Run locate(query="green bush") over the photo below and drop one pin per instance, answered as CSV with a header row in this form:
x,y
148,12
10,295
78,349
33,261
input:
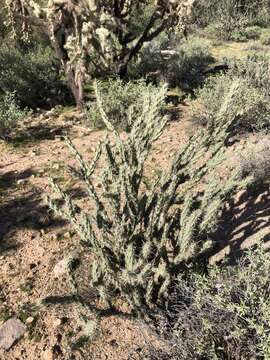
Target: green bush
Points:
x,y
255,70
141,239
118,96
247,33
186,67
10,114
33,74
229,18
180,65
250,107
224,314
260,15
225,19
252,32
265,37
150,58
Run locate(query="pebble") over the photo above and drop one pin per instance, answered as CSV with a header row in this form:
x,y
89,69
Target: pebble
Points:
x,y
67,235
10,332
54,237
48,355
57,322
56,166
61,267
29,320
21,181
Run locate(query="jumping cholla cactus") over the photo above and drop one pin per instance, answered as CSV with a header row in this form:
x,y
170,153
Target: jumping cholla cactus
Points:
x,y
99,34
141,239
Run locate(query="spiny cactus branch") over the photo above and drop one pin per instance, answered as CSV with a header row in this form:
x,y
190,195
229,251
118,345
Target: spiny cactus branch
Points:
x,y
141,239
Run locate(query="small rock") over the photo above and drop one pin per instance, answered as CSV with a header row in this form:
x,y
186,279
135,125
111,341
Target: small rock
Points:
x,y
11,331
29,320
57,322
56,166
61,268
51,112
47,355
67,235
54,237
33,153
21,181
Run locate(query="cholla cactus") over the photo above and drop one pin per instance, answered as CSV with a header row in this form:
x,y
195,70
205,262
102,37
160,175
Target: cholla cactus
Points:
x,y
140,239
98,34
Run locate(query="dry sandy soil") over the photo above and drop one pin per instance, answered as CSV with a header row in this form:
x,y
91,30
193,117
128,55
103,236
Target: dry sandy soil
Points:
x,y
33,242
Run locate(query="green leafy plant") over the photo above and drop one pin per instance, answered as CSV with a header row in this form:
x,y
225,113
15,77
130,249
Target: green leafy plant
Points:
x,y
227,19
247,33
141,239
250,107
232,19
34,75
265,37
186,68
178,62
10,114
118,97
254,69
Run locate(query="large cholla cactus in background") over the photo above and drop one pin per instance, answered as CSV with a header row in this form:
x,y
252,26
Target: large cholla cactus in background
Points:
x,y
99,34
141,239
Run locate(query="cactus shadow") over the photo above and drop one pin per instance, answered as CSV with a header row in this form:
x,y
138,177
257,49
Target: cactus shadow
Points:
x,y
245,222
36,133
21,207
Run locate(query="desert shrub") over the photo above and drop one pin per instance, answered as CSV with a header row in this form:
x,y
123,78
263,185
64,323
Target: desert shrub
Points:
x,y
224,314
10,114
255,70
230,17
226,19
259,14
181,64
246,33
3,19
212,11
34,75
118,96
252,32
150,59
250,107
141,239
265,37
186,67
255,161
254,46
